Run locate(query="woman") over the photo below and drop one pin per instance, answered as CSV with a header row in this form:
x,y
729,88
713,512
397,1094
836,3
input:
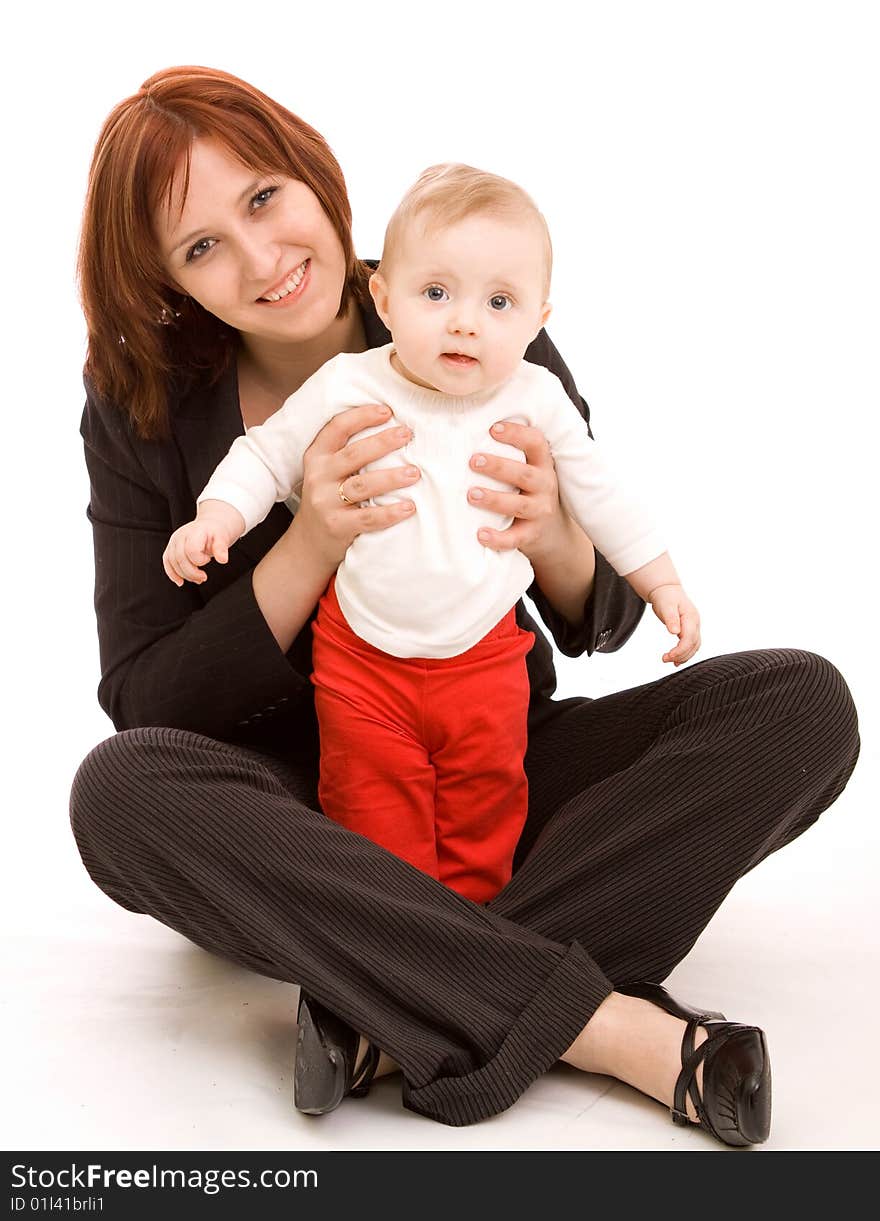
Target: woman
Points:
x,y
217,274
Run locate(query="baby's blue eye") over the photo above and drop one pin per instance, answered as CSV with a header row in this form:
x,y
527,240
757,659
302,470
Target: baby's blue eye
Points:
x,y
435,293
500,302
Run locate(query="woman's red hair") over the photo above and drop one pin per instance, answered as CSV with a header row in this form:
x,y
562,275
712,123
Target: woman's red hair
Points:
x,y
144,336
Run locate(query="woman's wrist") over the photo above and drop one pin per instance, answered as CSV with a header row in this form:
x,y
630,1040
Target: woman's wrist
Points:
x,y
289,581
565,568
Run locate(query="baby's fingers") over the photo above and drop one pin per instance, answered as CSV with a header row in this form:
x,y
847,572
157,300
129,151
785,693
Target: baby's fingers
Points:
x,y
186,553
190,548
688,638
170,571
189,564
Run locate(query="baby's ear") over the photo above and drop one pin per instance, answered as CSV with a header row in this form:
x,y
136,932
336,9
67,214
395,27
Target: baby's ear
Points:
x,y
379,293
546,311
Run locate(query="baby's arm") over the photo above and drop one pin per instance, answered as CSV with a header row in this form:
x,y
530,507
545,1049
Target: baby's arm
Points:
x,y
266,464
261,467
616,524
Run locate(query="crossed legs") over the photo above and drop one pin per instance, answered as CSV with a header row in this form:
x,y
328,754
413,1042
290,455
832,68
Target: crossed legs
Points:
x,y
646,807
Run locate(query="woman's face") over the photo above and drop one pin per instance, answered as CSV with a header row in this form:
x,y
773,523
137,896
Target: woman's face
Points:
x,y
255,249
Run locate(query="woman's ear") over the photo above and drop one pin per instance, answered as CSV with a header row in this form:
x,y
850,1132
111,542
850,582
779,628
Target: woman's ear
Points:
x,y
379,293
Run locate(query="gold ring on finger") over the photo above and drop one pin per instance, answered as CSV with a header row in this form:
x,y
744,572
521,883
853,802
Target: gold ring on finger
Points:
x,y
343,497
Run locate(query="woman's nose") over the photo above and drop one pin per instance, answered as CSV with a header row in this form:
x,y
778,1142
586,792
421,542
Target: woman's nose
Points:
x,y
260,259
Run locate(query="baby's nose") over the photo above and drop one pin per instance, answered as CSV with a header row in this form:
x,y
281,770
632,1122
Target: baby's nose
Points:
x,y
464,321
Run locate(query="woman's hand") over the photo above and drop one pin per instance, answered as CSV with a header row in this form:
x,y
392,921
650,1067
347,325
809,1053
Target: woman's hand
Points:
x,y
540,523
293,574
333,460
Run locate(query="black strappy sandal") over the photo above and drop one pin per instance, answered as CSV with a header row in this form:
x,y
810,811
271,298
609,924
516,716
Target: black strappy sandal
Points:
x,y
735,1106
325,1071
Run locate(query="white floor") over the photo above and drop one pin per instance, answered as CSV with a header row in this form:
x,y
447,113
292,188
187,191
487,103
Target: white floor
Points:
x,y
123,1036
715,298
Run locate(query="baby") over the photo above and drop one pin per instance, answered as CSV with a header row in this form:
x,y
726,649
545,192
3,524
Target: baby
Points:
x,y
419,668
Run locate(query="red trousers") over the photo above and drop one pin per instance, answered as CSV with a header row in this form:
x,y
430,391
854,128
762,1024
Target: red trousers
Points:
x,y
425,755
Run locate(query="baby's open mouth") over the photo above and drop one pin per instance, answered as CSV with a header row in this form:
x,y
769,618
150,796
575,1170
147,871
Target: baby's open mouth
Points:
x,y
459,358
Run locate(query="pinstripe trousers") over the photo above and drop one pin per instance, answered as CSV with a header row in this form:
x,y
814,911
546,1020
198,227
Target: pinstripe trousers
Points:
x,y
645,807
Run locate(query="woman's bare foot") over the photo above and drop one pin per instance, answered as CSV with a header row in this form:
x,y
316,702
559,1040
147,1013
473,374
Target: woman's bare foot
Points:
x,y
385,1066
636,1042
627,1038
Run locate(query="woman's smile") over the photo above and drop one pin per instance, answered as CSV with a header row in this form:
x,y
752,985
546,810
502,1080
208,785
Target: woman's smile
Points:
x,y
290,288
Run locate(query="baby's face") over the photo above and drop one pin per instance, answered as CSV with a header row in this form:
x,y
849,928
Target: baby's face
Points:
x,y
464,302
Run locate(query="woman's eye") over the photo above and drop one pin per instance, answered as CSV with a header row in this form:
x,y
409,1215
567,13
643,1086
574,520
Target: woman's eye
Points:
x,y
500,302
200,248
262,197
435,293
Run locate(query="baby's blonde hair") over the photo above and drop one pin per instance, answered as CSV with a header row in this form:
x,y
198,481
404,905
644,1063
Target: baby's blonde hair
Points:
x,y
450,192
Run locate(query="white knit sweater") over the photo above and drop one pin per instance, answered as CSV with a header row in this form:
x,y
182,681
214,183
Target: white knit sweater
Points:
x,y
426,586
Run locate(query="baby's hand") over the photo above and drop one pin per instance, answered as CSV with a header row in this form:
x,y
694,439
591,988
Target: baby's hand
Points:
x,y
674,608
210,536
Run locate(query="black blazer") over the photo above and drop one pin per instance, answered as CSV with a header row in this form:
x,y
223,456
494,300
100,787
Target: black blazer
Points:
x,y
202,657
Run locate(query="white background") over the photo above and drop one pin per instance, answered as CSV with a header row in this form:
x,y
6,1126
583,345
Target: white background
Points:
x,y
709,172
